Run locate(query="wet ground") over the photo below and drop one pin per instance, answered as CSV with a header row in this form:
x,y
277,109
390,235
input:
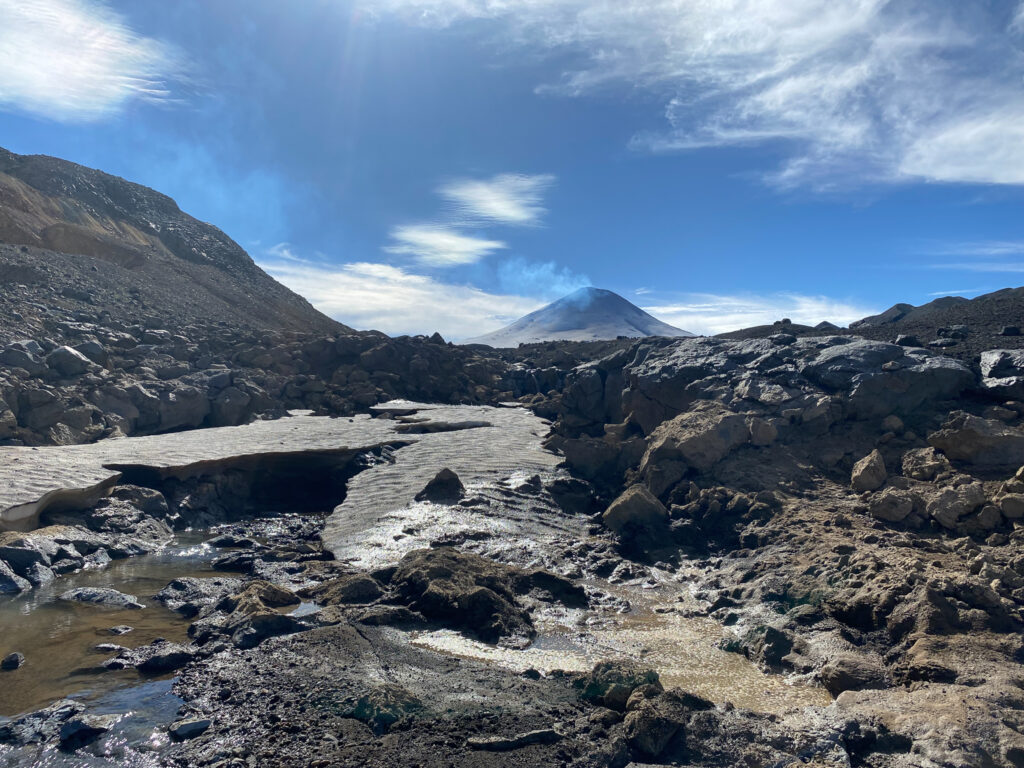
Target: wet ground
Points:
x,y
507,514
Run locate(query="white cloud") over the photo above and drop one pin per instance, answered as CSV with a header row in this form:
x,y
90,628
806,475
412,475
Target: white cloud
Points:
x,y
982,266
706,313
390,299
857,89
77,61
995,248
508,198
438,245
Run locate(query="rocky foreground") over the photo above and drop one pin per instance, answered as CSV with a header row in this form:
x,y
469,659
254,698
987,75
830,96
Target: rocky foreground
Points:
x,y
847,511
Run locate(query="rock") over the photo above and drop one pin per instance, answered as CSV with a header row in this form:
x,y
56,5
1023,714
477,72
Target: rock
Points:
x,y
891,505
1008,330
506,743
636,512
189,729
12,661
906,340
465,592
696,439
869,474
120,629
611,683
445,488
1002,372
881,378
102,597
10,582
952,504
189,595
649,731
160,658
924,464
852,672
762,432
383,706
68,362
41,726
1012,506
977,441
84,729
354,588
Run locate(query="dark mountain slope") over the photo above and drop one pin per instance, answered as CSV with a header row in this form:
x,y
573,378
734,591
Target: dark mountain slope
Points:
x,y
80,236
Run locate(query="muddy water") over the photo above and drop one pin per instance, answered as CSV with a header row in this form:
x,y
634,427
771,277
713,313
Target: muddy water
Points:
x,y
58,639
683,650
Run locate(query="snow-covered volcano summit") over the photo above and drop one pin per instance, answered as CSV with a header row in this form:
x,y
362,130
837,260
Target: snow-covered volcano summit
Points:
x,y
588,314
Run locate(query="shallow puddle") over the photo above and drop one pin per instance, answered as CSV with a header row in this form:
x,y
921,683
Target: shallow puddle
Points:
x,y
58,639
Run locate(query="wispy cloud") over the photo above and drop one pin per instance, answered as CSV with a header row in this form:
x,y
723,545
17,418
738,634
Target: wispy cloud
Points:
x,y
439,245
706,313
390,299
982,266
544,279
77,61
508,198
862,90
960,292
979,248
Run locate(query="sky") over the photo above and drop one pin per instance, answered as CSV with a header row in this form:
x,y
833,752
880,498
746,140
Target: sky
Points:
x,y
449,165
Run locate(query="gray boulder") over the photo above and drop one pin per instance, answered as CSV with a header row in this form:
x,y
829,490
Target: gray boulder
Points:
x,y
67,362
881,378
102,597
1002,373
978,441
697,439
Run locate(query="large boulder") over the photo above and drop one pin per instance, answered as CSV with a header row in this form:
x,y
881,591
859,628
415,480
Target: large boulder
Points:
x,y
981,442
881,378
464,591
950,505
694,440
183,407
68,362
1002,373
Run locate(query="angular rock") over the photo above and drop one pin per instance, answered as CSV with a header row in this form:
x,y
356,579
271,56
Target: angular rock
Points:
x,y
189,729
891,505
84,729
924,464
636,512
977,441
696,439
952,504
869,474
445,488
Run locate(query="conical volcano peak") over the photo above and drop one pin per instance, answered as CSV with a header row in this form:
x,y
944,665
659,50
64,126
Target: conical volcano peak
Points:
x,y
587,314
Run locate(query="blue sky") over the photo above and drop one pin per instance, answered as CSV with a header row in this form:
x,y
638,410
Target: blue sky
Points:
x,y
412,165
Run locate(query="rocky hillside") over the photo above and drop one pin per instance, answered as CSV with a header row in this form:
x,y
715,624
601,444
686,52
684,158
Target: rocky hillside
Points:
x,y
79,241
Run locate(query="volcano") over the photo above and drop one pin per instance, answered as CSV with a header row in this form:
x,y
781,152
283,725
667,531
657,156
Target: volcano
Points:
x,y
589,314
